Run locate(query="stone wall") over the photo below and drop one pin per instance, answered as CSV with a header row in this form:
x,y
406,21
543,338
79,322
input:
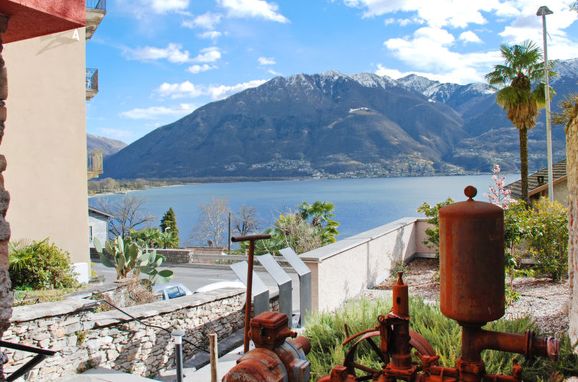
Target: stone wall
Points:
x,y
176,256
84,339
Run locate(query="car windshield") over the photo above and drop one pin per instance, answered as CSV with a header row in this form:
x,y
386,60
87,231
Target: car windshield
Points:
x,y
174,292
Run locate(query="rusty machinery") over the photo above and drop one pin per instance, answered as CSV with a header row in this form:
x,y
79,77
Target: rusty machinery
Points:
x,y
279,355
471,292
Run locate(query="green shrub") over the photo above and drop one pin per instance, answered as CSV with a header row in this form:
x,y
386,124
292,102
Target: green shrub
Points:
x,y
548,238
327,331
152,238
433,232
40,265
169,225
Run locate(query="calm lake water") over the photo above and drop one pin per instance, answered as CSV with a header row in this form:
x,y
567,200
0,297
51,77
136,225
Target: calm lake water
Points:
x,y
360,204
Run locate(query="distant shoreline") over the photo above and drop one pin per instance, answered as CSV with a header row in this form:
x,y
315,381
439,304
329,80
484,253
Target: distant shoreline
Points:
x,y
130,185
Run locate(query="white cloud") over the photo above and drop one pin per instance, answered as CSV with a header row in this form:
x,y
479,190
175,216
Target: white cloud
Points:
x,y
266,61
211,35
207,20
273,72
155,112
253,9
210,54
391,73
429,51
469,36
164,6
215,92
180,90
403,22
171,53
437,13
222,91
195,69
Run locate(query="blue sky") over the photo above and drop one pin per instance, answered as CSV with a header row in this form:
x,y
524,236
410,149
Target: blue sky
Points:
x,y
159,60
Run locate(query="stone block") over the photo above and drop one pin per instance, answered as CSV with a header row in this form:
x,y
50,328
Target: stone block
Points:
x,y
3,83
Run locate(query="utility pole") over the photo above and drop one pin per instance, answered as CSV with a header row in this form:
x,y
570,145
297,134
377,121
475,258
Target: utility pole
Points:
x,y
229,236
543,11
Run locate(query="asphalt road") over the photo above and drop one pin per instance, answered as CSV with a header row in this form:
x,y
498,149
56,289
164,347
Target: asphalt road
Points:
x,y
194,278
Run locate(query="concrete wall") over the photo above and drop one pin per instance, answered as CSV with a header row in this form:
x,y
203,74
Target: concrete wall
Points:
x,y
45,143
342,270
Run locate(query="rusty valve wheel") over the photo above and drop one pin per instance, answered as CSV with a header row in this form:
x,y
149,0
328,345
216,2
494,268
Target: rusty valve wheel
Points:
x,y
421,346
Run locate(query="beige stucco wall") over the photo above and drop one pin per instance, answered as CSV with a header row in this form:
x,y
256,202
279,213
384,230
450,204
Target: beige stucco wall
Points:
x,y
45,142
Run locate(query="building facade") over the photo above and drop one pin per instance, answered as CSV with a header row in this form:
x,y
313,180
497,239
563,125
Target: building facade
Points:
x,y
46,142
97,226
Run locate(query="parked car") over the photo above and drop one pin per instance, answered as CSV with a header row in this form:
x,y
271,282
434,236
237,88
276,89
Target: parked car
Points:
x,y
221,285
172,290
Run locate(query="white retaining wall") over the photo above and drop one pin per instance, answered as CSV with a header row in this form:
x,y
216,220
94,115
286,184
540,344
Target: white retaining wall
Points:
x,y
342,270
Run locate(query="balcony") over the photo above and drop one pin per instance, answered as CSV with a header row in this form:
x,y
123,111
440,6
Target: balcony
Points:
x,y
91,83
95,11
94,164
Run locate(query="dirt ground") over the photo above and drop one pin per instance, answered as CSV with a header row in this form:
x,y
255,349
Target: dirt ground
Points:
x,y
545,301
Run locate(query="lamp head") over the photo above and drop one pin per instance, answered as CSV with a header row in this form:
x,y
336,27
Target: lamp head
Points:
x,y
543,11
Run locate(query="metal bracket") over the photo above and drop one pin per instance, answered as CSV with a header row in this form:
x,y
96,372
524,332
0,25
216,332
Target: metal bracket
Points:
x,y
284,283
260,291
304,282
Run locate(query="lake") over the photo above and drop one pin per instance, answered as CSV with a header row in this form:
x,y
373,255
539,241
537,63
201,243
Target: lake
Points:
x,y
360,204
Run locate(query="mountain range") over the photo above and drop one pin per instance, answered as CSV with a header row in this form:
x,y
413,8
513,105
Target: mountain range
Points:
x,y
338,125
106,145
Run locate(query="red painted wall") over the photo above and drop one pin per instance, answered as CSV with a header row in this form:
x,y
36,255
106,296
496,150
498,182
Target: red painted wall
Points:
x,y
33,18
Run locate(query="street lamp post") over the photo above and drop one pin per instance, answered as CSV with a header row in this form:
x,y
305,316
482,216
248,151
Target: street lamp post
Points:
x,y
543,11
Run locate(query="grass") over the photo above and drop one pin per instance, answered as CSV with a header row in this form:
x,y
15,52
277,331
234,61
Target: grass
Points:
x,y
326,332
29,297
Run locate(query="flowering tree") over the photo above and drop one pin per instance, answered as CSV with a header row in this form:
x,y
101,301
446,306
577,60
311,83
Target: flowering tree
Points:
x,y
499,194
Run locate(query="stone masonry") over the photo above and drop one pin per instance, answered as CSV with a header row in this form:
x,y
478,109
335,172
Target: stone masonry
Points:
x,y
84,339
5,294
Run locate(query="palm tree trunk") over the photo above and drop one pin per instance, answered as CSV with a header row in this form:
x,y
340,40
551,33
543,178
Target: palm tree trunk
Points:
x,y
572,172
524,162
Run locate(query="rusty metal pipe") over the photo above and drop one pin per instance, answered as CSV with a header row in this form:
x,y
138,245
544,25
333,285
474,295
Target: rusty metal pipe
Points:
x,y
400,298
248,296
399,318
475,340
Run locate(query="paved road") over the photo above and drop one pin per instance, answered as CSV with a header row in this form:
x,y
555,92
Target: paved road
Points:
x,y
194,278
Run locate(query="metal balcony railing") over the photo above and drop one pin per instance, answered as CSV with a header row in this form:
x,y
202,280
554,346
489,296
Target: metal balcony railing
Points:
x,y
96,4
91,82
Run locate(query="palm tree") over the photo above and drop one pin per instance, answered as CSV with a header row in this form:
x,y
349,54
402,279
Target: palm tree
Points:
x,y
522,67
568,117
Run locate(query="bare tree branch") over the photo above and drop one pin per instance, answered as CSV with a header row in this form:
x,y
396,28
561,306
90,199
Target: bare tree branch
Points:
x,y
127,214
246,221
212,224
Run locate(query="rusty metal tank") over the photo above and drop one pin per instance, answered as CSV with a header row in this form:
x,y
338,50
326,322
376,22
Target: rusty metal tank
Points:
x,y
472,260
